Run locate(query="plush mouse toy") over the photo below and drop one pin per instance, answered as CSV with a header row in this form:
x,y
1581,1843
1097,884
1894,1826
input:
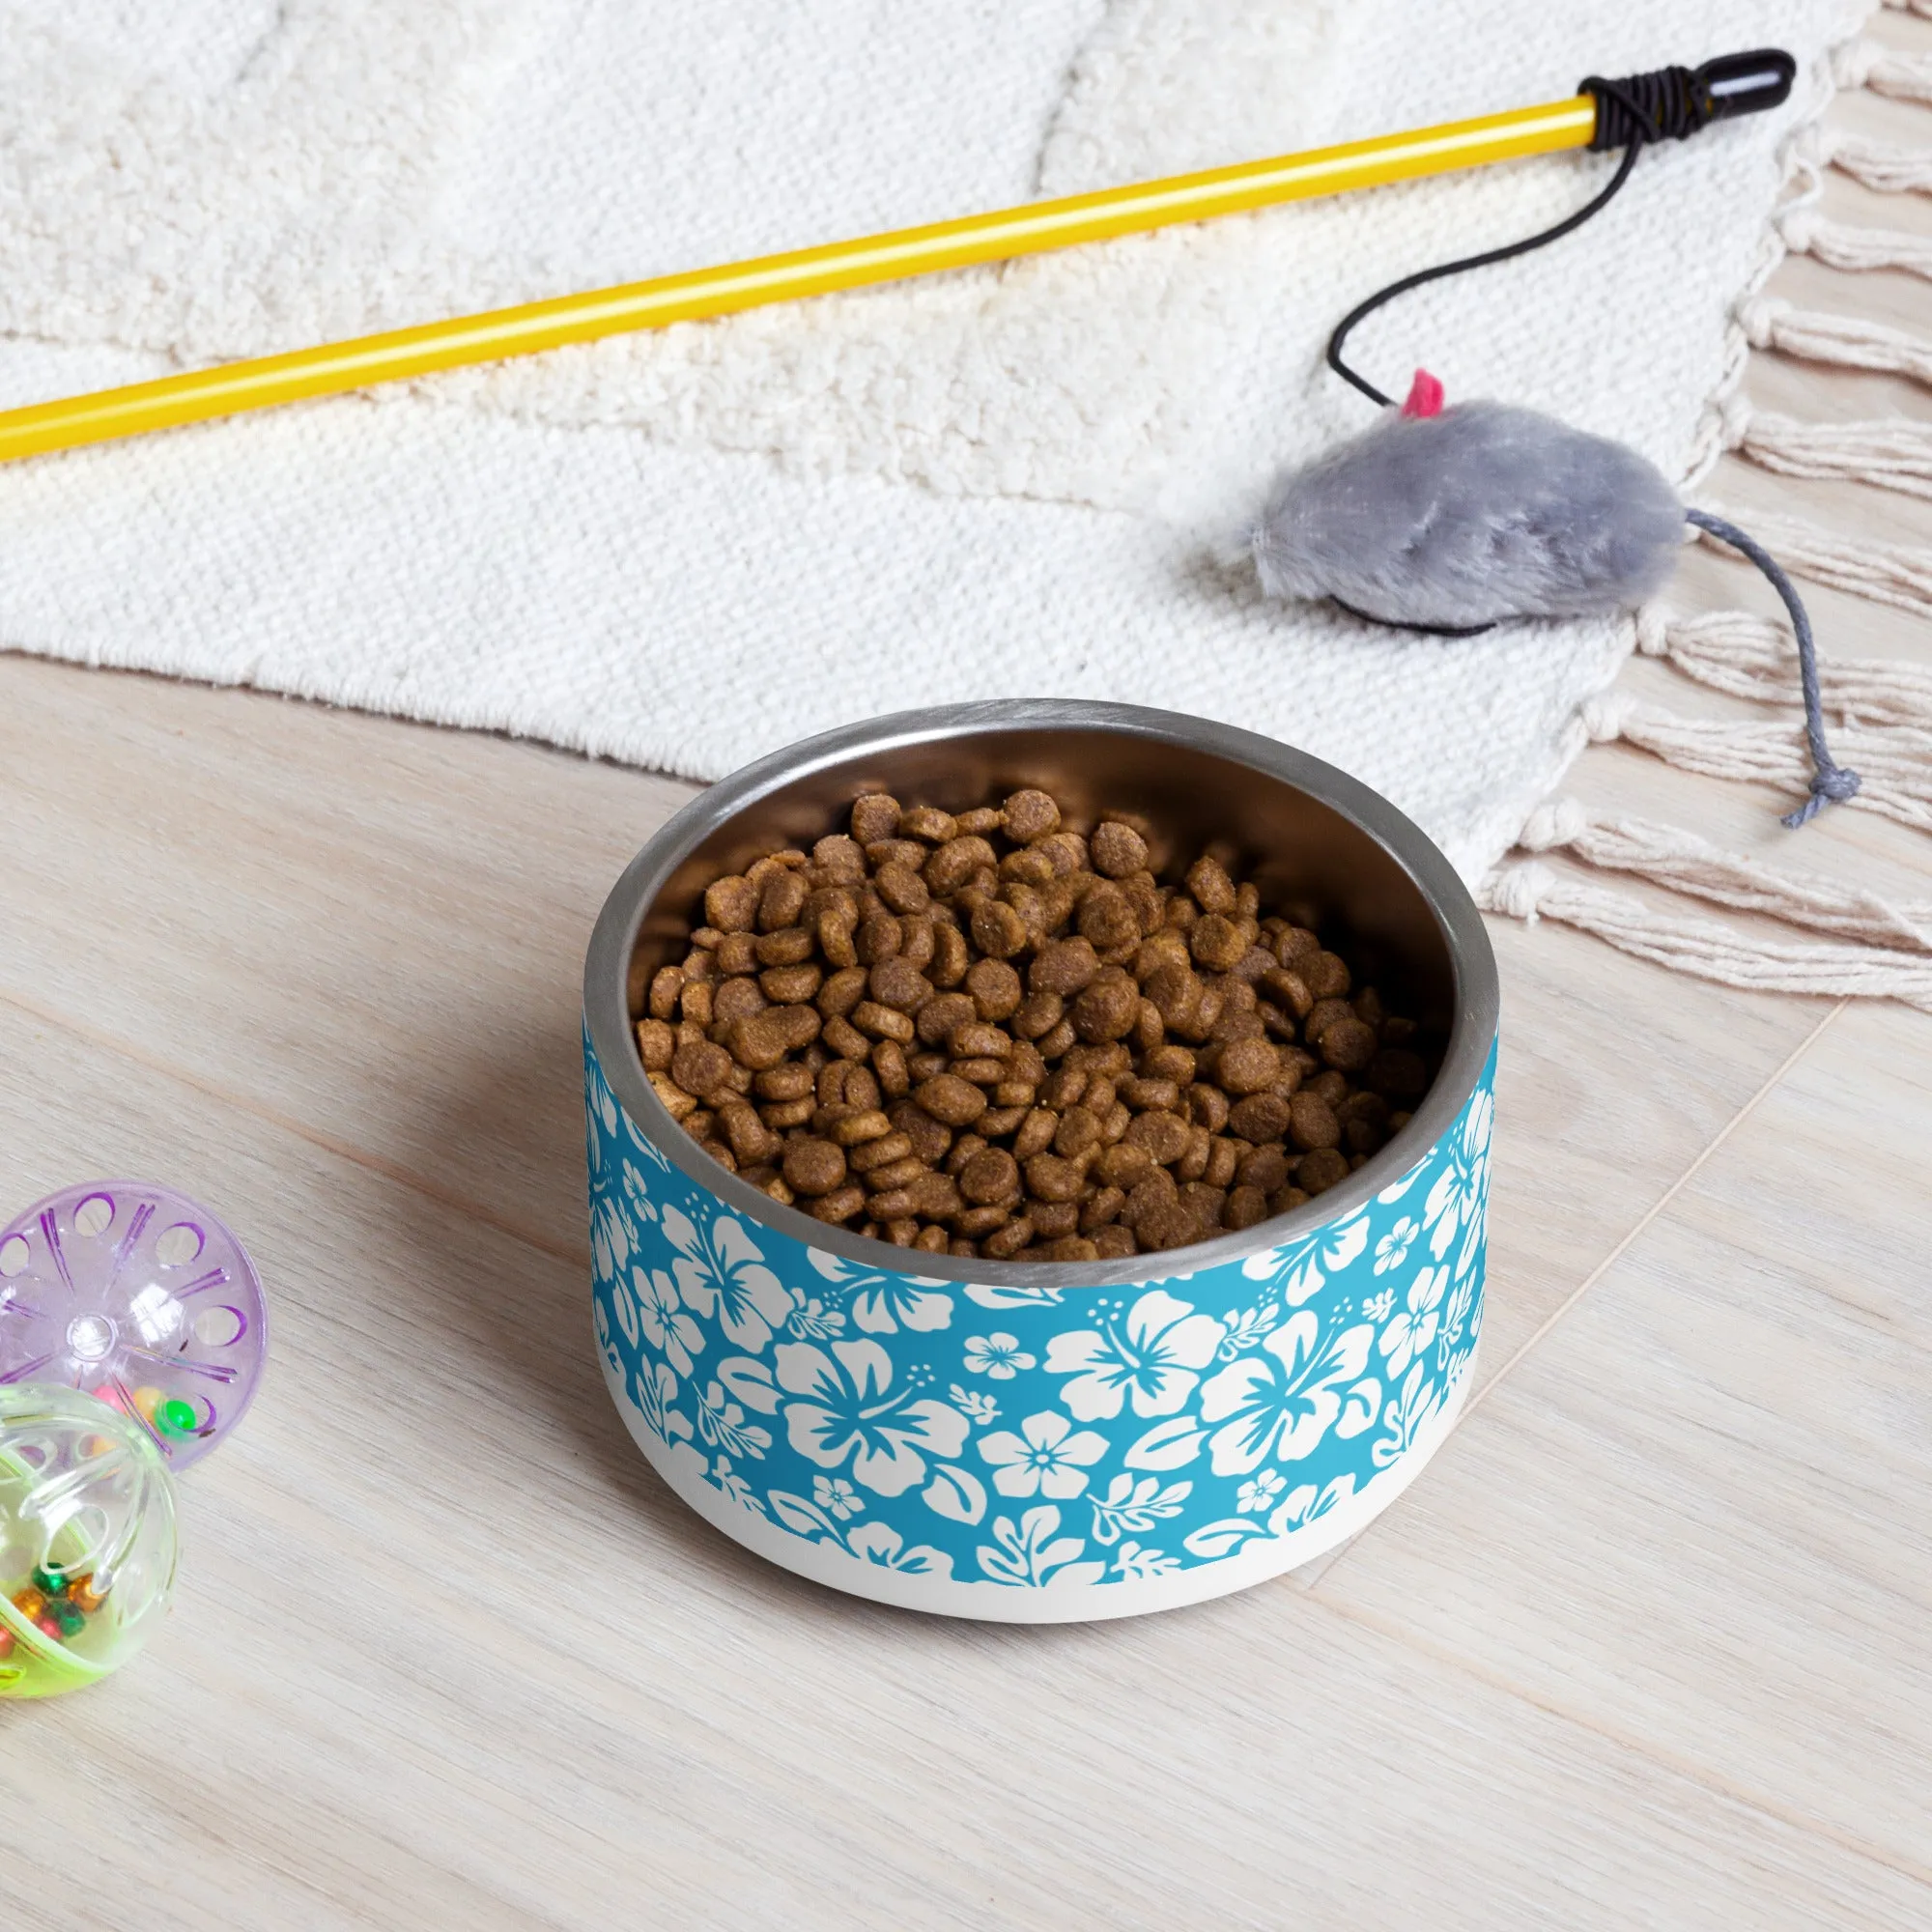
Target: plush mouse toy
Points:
x,y
1451,520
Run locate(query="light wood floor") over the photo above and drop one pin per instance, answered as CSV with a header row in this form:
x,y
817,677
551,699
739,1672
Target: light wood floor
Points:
x,y
1647,1645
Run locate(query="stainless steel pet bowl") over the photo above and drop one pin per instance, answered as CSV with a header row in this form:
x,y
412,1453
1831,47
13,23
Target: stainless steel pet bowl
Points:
x,y
1029,1441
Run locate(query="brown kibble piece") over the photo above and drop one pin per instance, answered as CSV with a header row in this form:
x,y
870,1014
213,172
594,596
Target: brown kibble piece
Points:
x,y
655,1043
995,988
894,982
1049,1177
1117,850
839,857
928,822
949,1099
874,817
781,901
1248,1066
1003,1242
1326,975
998,929
840,1204
1027,816
868,1126
1216,943
731,904
882,1022
902,889
1349,1045
1107,918
701,1067
812,1166
991,1175
1115,1242
1265,1168
954,863
1322,1016
870,1155
1211,887
1108,1007
1062,966
1162,1137
1312,1123
1320,1170
1170,1225
1243,1207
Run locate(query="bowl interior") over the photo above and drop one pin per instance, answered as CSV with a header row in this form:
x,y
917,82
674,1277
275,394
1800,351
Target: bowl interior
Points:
x,y
1321,848
1309,860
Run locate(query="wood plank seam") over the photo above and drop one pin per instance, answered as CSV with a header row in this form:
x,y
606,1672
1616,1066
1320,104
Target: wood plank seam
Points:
x,y
1670,1760
374,1163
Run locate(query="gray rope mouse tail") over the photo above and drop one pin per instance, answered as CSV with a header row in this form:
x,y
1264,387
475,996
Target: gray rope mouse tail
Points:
x,y
1830,781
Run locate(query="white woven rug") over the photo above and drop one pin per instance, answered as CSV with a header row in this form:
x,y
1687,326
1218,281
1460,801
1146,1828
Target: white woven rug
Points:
x,y
685,549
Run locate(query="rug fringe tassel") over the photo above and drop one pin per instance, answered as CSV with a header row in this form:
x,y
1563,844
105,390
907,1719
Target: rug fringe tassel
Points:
x,y
1895,454
1896,764
1879,165
1528,889
1895,574
1748,656
1815,335
1687,864
1854,250
1883,70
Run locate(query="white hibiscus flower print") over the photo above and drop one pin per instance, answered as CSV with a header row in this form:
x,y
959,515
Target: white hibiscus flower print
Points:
x,y
727,1479
1154,1356
844,1412
1377,1307
721,1268
611,1240
1258,1493
1455,1202
1392,1250
1047,1457
1280,1404
669,1329
999,1356
1412,1330
836,1495
814,1321
1131,1560
655,1387
722,1423
979,1408
881,1544
882,1304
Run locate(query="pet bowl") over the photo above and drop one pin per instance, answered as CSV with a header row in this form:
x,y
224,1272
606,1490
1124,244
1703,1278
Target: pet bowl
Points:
x,y
1027,1441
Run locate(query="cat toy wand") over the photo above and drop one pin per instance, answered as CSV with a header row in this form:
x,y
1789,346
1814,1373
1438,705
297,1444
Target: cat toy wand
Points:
x,y
1675,101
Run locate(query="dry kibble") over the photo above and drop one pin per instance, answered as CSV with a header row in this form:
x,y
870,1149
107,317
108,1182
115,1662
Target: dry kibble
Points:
x,y
1349,1045
731,904
1118,850
813,1166
1027,816
1062,966
1248,1066
995,1035
950,1100
1312,1123
655,1043
1320,1170
874,817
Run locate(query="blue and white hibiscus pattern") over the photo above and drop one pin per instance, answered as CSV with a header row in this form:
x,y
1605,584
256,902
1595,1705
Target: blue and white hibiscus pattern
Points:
x,y
1033,1436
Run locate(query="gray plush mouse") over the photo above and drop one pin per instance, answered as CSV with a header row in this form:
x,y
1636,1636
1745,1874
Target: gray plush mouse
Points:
x,y
1454,520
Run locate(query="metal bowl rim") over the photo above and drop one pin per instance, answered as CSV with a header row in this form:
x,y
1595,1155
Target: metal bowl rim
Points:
x,y
1472,962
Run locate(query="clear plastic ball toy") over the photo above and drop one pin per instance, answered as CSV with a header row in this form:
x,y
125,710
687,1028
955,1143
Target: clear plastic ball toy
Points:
x,y
87,1538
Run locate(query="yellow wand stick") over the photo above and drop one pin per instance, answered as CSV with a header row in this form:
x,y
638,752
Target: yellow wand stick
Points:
x,y
1737,84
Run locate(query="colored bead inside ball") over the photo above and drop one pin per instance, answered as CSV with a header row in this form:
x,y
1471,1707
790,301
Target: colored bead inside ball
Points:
x,y
87,1538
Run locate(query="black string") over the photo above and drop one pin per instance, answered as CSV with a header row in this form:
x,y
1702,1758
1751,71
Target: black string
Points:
x,y
1629,100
